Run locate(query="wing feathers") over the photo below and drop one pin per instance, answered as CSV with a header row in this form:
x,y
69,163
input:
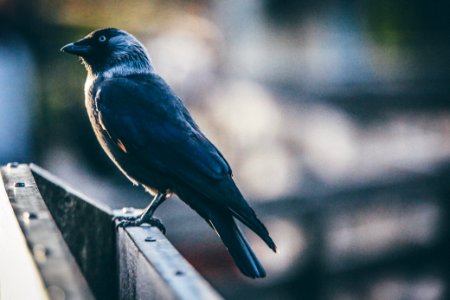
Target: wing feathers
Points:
x,y
155,128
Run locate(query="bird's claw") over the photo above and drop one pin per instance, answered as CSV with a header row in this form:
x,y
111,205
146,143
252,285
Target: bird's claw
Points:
x,y
129,221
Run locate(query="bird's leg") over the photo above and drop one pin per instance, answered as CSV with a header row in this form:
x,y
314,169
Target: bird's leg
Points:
x,y
146,216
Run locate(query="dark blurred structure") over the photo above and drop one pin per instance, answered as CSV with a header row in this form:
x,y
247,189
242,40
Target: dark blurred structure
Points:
x,y
17,85
334,115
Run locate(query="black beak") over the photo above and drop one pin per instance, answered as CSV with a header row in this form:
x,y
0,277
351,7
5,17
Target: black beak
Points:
x,y
77,48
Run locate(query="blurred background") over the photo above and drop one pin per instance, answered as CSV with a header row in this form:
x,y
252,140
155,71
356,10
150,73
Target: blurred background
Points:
x,y
335,116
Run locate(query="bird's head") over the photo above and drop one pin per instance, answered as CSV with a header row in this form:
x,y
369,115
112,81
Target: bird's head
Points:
x,y
112,51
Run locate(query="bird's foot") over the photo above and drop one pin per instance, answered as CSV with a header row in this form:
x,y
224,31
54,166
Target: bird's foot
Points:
x,y
127,221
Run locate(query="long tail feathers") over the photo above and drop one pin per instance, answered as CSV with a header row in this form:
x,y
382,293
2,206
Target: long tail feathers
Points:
x,y
221,218
258,227
237,245
243,211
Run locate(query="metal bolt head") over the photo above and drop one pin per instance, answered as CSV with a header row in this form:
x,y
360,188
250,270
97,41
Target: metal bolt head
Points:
x,y
13,165
27,216
150,239
179,273
20,184
128,210
40,253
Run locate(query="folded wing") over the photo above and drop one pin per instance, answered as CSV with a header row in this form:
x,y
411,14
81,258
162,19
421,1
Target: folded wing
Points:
x,y
156,129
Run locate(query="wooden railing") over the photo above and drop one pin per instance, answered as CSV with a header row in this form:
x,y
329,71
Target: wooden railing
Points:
x,y
57,244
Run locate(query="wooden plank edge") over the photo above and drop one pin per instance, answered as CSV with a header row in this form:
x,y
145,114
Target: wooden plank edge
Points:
x,y
56,267
154,254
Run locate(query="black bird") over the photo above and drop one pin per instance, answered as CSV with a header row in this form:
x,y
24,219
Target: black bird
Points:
x,y
148,133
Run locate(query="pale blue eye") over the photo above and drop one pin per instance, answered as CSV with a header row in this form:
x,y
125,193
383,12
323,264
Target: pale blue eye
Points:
x,y
102,39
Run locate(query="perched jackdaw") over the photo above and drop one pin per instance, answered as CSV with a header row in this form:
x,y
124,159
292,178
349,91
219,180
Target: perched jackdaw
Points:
x,y
148,133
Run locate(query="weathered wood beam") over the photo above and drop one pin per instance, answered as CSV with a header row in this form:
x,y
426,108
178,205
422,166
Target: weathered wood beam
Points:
x,y
87,229
35,262
151,268
131,263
